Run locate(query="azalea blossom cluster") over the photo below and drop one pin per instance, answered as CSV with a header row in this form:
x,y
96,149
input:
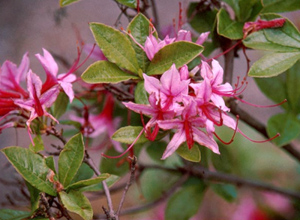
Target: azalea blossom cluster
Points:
x,y
192,108
34,101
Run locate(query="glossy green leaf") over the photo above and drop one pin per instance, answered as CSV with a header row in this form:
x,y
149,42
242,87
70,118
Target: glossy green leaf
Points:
x,y
287,125
139,28
129,3
110,181
184,203
38,144
128,134
193,154
34,196
293,88
223,161
60,105
70,159
280,5
50,163
84,172
273,64
31,166
115,46
63,3
117,167
178,53
10,214
76,202
228,28
88,182
140,94
155,182
203,20
226,191
274,88
105,72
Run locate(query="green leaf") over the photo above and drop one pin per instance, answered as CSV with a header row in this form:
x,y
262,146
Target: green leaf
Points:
x,y
228,28
226,191
274,88
89,182
70,159
184,203
105,72
203,20
63,3
128,134
139,28
129,3
155,182
273,64
178,53
156,149
140,94
60,105
50,163
287,125
117,167
76,202
293,88
223,161
280,5
115,46
110,181
38,144
34,196
84,172
10,214
193,154
31,166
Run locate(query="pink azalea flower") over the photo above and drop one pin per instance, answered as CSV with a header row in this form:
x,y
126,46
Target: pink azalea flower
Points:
x,y
153,45
169,89
187,130
37,103
64,80
102,123
11,77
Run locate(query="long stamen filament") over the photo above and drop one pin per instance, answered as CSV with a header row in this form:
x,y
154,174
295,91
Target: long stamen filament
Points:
x,y
260,106
232,138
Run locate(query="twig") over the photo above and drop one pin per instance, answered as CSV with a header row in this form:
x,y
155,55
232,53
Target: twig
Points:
x,y
130,181
45,202
91,164
205,174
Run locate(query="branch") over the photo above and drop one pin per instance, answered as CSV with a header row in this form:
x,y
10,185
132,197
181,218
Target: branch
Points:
x,y
205,174
91,164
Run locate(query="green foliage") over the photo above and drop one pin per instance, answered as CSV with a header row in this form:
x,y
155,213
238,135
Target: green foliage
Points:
x,y
105,72
280,5
110,181
128,134
70,159
60,105
185,203
34,196
155,150
227,27
32,167
38,144
226,191
193,154
63,3
89,182
140,94
139,28
128,3
115,46
223,161
287,125
84,172
76,202
10,214
179,53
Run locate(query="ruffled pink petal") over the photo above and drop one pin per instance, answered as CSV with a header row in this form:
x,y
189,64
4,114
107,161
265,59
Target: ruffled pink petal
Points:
x,y
184,35
34,84
206,71
170,124
219,102
217,73
68,89
184,72
151,46
152,85
49,97
97,53
139,108
48,63
202,38
203,139
23,68
178,138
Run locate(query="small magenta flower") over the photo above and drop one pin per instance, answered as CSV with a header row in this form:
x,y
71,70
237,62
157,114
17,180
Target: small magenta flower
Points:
x,y
38,102
65,80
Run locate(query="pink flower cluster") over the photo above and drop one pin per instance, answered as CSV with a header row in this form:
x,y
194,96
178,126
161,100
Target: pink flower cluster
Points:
x,y
193,109
38,96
